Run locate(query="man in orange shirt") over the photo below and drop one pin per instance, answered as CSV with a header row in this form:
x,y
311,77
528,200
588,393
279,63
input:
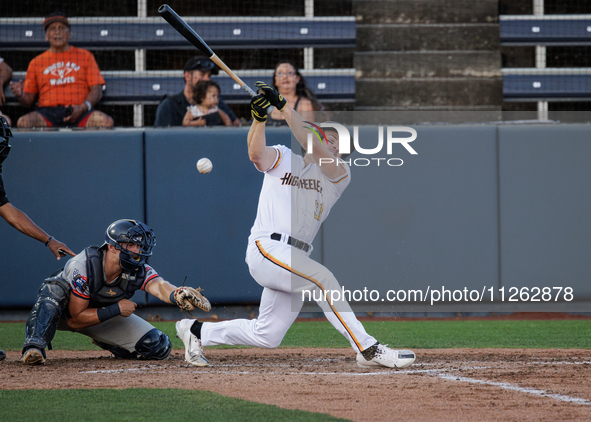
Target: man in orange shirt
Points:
x,y
67,80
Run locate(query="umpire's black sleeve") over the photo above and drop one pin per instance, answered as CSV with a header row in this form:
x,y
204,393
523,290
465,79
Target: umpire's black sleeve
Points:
x,y
3,199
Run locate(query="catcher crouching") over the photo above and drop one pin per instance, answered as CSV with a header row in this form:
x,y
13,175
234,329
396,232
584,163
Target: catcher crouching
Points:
x,y
91,296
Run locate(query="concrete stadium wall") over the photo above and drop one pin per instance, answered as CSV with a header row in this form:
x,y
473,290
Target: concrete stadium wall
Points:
x,y
545,206
432,221
202,222
479,205
73,185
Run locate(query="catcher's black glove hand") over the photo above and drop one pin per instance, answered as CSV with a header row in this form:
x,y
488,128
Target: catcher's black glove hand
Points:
x,y
258,108
274,97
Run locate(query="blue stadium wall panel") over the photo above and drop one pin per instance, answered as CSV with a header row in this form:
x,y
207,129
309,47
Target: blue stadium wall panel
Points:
x,y
203,221
429,222
73,185
545,206
478,205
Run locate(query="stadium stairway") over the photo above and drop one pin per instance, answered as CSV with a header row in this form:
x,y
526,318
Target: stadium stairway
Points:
x,y
428,55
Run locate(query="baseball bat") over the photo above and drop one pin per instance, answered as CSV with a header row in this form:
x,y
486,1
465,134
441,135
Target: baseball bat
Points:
x,y
193,37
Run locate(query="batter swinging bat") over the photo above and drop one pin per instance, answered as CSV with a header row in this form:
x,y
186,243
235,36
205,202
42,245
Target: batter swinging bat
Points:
x,y
193,37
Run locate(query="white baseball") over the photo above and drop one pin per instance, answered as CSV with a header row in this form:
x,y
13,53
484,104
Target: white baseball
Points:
x,y
204,165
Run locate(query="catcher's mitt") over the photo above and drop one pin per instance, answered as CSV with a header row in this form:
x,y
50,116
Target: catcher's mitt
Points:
x,y
189,298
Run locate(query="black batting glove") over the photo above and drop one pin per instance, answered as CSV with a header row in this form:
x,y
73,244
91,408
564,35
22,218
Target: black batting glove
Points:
x,y
274,97
258,108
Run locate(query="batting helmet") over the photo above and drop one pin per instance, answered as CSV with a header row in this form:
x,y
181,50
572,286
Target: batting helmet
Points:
x,y
124,232
334,130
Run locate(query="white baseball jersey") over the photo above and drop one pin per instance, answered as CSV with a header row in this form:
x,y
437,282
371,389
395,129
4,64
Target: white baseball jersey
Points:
x,y
296,198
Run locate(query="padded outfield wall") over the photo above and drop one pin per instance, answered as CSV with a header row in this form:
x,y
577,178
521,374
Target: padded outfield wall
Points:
x,y
478,206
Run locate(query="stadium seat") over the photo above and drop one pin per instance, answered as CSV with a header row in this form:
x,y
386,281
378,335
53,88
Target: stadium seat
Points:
x,y
155,33
547,30
149,87
546,84
128,87
547,87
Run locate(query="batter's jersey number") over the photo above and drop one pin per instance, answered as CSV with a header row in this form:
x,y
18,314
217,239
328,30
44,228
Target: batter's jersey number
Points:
x,y
318,212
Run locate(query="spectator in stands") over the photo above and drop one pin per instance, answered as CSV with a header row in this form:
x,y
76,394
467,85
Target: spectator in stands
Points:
x,y
67,80
292,85
173,109
206,111
5,76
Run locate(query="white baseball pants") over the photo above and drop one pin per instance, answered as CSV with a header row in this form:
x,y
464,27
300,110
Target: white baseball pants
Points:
x,y
284,272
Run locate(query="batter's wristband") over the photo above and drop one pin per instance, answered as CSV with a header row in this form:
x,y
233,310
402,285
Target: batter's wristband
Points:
x,y
48,240
108,312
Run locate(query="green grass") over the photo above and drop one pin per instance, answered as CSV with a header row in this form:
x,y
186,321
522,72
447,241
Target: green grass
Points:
x,y
568,334
161,405
140,404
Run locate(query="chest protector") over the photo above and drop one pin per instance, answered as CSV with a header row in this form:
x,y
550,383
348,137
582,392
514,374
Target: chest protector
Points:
x,y
102,294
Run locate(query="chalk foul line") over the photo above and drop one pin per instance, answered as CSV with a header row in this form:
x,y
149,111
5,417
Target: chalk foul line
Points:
x,y
440,373
511,387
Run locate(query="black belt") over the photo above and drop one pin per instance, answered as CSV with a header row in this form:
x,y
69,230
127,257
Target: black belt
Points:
x,y
296,243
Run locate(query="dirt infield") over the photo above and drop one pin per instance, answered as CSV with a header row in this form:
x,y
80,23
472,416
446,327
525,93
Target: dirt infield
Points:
x,y
443,384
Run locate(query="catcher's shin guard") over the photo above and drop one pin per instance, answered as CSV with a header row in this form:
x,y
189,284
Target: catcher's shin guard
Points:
x,y
53,298
118,352
153,345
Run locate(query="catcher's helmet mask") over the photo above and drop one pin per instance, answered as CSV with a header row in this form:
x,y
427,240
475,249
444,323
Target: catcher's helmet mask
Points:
x,y
124,232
